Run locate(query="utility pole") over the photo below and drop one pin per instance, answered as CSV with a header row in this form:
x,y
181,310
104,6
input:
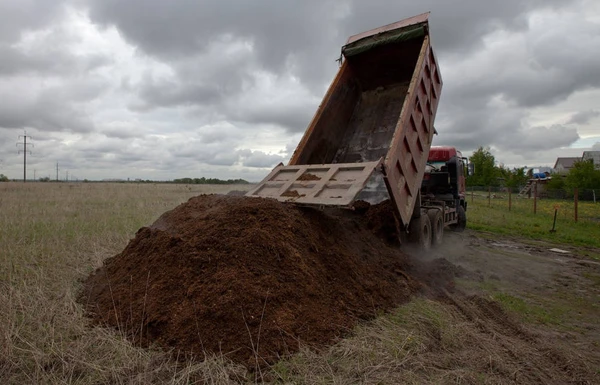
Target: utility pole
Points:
x,y
57,172
25,150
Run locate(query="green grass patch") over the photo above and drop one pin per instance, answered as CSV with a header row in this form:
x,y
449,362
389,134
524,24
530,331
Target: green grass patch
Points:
x,y
547,310
560,308
521,221
547,315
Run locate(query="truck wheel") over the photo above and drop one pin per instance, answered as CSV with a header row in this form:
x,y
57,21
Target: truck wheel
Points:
x,y
462,220
420,232
437,226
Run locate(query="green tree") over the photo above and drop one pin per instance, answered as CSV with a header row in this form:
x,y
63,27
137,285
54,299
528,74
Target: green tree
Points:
x,y
3,178
583,176
556,183
519,177
513,178
486,173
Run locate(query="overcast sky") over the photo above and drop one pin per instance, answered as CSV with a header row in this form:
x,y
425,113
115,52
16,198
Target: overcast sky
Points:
x,y
158,89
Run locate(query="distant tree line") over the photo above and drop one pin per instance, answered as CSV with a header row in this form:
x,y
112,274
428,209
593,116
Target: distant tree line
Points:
x,y
583,175
209,181
4,178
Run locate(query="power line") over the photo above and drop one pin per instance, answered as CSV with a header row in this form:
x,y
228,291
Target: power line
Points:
x,y
25,151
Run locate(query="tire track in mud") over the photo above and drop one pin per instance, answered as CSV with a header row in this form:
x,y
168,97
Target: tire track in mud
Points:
x,y
491,340
523,356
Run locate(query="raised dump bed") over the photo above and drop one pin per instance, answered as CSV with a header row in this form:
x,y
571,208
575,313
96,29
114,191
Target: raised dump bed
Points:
x,y
378,113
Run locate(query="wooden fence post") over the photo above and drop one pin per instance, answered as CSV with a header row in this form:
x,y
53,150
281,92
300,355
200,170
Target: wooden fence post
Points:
x,y
535,197
509,199
576,192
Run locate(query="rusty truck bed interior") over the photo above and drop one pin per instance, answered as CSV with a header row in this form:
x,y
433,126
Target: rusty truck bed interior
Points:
x,y
376,85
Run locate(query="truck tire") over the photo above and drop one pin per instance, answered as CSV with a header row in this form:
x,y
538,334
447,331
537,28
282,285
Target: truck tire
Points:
x,y
437,226
462,220
420,232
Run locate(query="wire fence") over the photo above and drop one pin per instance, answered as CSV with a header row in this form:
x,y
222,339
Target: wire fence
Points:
x,y
576,204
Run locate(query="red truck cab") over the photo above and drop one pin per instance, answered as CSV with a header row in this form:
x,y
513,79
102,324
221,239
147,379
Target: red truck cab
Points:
x,y
444,177
441,155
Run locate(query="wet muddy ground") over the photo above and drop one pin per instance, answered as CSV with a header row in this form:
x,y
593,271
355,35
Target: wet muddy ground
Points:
x,y
550,300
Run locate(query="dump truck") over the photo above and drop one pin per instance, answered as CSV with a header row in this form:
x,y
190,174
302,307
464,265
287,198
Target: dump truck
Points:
x,y
370,139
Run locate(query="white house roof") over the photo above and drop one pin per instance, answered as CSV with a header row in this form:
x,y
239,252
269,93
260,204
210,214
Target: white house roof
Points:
x,y
566,162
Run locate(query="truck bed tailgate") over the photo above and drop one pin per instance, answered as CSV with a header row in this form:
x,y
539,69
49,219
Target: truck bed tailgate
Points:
x,y
314,184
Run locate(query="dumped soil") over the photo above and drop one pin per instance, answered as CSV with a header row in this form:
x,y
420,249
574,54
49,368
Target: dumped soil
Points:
x,y
250,278
292,194
308,177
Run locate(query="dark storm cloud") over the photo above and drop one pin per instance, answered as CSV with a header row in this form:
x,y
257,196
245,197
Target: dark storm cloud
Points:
x,y
281,28
533,73
299,38
294,117
44,84
302,38
172,94
183,28
211,82
17,16
488,93
200,79
538,139
55,108
14,62
47,60
121,131
583,117
475,119
45,115
193,150
456,27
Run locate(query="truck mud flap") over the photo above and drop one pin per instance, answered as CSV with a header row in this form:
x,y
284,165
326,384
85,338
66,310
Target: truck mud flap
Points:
x,y
314,184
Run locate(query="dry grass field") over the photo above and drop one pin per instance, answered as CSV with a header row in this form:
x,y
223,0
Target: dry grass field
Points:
x,y
52,235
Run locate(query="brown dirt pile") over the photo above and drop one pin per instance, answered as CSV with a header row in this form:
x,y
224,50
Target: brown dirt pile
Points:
x,y
249,277
308,177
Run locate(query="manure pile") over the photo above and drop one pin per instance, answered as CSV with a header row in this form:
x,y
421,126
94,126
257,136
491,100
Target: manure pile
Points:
x,y
250,277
